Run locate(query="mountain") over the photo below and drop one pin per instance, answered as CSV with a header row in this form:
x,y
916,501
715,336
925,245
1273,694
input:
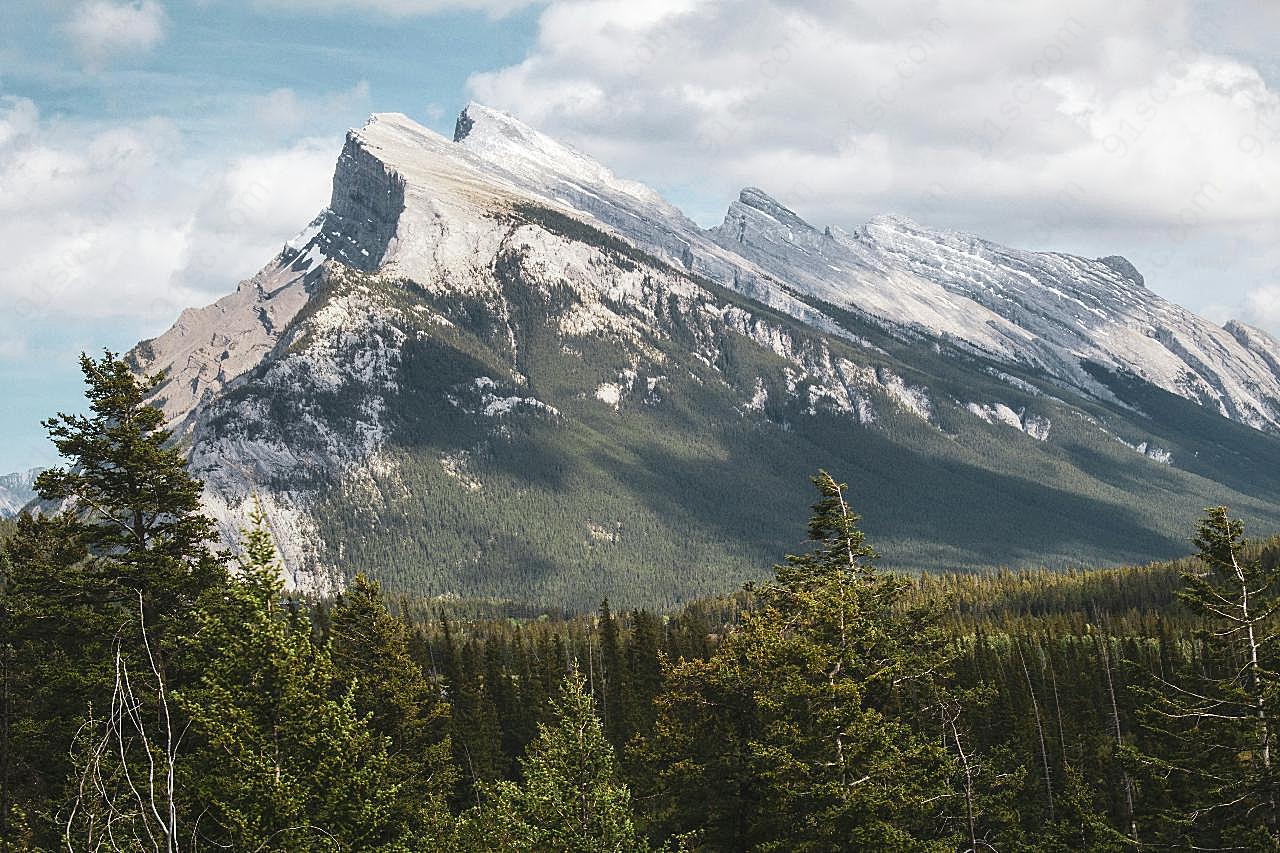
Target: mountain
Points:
x,y
492,368
16,491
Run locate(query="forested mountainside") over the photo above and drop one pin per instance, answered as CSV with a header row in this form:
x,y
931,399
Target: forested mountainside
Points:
x,y
490,368
159,693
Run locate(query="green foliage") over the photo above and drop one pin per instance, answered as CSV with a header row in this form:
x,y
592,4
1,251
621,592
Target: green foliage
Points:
x,y
370,650
806,730
286,760
105,590
148,693
138,508
570,799
1218,722
53,642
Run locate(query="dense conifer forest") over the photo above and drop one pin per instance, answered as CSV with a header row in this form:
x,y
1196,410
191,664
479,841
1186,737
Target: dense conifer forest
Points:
x,y
161,694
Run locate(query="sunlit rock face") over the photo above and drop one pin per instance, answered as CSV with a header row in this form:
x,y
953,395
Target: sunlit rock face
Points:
x,y
462,297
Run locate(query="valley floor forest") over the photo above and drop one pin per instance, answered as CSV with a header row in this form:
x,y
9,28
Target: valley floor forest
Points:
x,y
160,693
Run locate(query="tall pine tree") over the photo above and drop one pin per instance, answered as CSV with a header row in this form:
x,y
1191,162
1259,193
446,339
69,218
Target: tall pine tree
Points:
x,y
571,800
128,488
1222,722
370,649
281,757
813,726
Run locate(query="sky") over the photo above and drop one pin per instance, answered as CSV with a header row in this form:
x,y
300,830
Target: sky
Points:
x,y
153,153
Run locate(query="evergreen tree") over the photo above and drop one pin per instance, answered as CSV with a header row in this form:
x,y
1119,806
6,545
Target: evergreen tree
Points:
x,y
475,731
808,729
54,662
128,488
613,675
1222,723
570,800
644,671
127,500
282,759
370,650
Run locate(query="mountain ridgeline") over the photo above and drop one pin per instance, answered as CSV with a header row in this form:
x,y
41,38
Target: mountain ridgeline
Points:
x,y
17,490
491,369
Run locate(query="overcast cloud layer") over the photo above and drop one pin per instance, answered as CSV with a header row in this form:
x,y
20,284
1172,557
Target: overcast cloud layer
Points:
x,y
1093,125
117,222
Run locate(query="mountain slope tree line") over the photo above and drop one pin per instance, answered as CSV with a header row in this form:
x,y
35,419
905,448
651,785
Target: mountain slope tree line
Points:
x,y
160,693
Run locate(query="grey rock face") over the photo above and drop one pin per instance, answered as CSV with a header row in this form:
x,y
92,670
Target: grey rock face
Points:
x,y
16,491
462,127
419,232
1125,268
368,197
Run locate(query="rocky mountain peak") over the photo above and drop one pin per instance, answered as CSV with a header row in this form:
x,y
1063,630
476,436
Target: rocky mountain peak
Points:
x,y
757,199
1126,269
17,490
462,126
453,284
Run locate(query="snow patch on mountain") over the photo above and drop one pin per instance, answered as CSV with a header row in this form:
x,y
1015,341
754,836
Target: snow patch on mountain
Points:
x,y
286,386
17,490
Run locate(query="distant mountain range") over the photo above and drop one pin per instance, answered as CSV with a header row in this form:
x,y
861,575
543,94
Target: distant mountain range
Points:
x,y
490,368
16,491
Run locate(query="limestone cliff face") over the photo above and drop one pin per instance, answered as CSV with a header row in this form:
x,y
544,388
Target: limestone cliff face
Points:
x,y
364,212
468,307
16,491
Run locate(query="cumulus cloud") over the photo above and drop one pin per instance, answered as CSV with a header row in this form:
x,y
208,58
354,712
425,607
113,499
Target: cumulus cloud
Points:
x,y
898,105
102,30
255,204
118,223
404,8
1040,123
284,112
1262,307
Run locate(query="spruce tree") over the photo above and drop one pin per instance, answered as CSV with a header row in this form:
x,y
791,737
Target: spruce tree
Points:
x,y
1221,721
813,726
370,650
570,800
53,642
613,675
281,757
644,671
128,488
125,497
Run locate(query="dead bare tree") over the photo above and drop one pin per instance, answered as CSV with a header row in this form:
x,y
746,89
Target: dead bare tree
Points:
x,y
970,771
1105,644
126,797
1044,752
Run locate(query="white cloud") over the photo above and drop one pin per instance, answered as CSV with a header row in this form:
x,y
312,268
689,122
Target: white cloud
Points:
x,y
19,119
256,204
403,8
284,112
1262,307
101,30
1094,123
118,223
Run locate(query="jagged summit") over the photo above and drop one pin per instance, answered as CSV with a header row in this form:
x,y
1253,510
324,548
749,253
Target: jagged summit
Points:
x,y
476,304
404,196
1124,267
758,199
17,490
